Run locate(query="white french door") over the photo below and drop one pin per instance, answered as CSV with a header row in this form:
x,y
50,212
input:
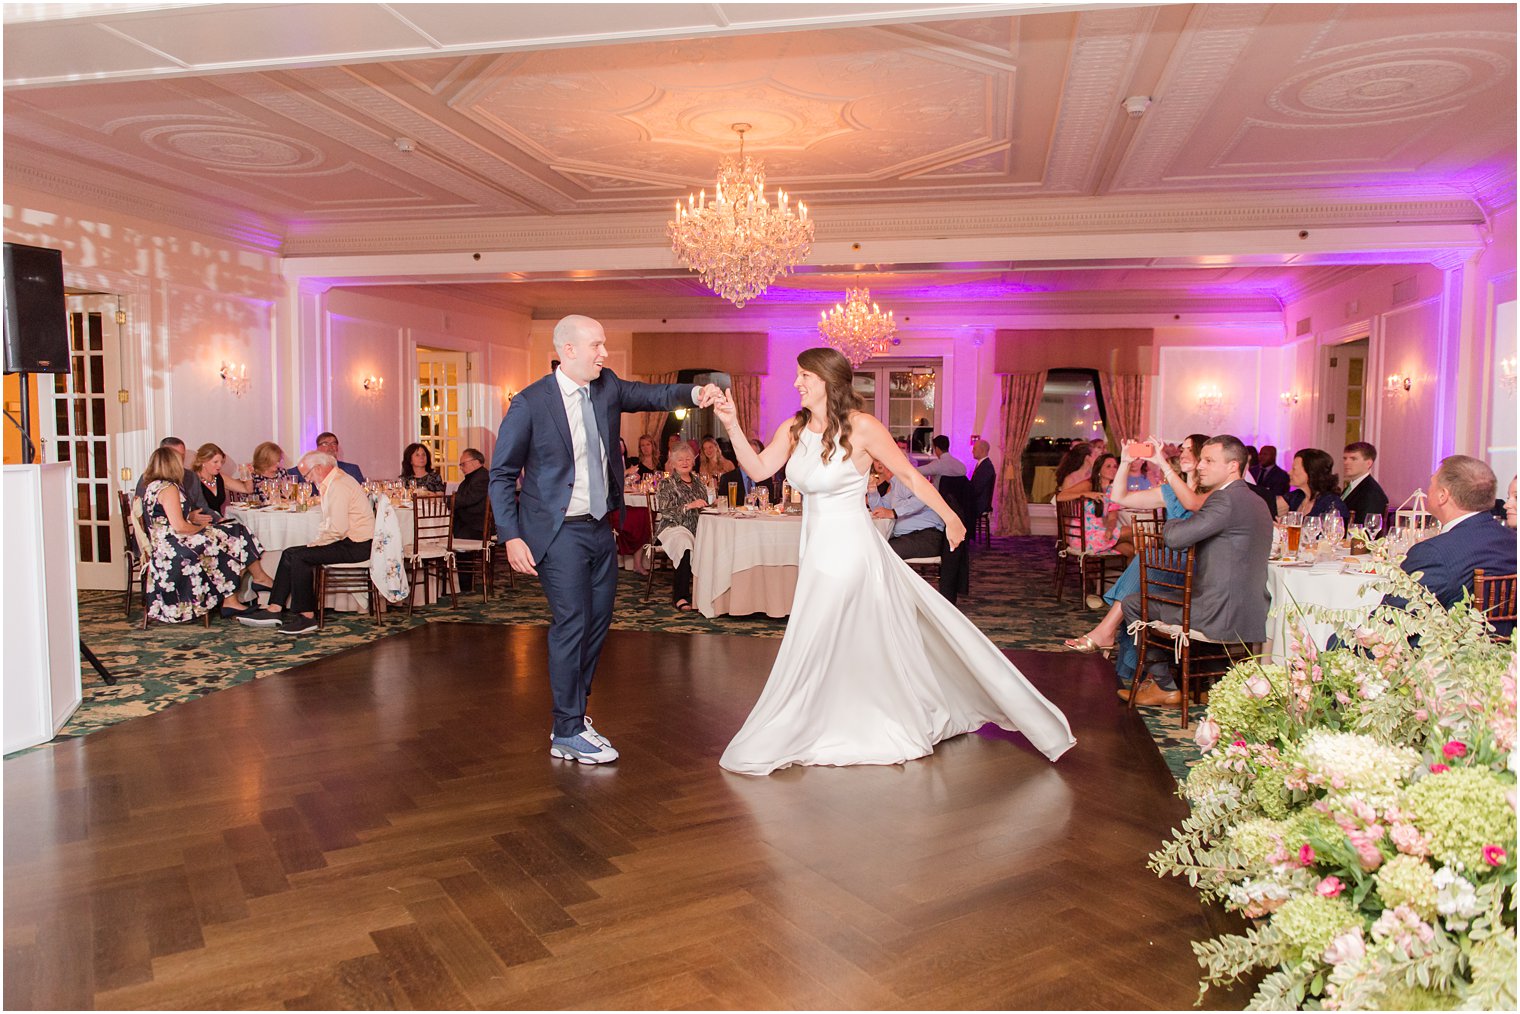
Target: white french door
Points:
x,y
74,429
442,410
904,395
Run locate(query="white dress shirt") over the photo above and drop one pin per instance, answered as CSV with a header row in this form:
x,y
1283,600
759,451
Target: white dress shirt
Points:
x,y
945,464
580,492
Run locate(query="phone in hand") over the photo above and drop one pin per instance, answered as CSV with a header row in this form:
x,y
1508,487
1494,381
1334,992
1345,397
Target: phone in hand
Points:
x,y
1136,449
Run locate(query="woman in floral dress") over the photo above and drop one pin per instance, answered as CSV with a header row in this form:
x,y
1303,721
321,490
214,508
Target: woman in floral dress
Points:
x,y
192,568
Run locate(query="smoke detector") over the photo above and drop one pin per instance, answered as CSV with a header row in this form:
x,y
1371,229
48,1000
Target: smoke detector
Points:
x,y
1136,105
405,144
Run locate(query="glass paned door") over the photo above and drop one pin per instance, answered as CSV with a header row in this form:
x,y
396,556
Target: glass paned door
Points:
x,y
442,377
904,396
75,431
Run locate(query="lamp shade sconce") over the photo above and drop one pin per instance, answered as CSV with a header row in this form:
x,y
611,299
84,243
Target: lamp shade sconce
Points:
x,y
234,378
1289,398
1398,383
1507,373
372,384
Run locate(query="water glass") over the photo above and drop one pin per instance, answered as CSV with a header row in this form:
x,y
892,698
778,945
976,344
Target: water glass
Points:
x,y
1374,524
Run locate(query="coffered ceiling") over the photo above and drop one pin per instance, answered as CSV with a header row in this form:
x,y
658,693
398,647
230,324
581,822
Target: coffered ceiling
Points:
x,y
535,118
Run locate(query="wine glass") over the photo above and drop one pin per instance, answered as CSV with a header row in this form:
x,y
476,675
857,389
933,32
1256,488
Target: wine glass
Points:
x,y
1313,528
1374,524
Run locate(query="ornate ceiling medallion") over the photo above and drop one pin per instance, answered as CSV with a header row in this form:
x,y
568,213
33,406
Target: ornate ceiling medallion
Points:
x,y
739,243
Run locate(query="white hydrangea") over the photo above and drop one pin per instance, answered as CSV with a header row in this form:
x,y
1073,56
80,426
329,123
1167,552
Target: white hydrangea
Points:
x,y
1352,762
1456,899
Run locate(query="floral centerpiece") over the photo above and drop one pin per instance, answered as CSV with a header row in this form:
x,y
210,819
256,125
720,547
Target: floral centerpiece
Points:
x,y
1357,806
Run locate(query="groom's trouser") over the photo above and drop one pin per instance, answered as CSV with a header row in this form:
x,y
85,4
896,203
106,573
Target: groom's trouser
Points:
x,y
578,573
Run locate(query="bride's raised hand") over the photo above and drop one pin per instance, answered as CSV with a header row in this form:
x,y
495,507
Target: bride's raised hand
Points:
x,y
725,409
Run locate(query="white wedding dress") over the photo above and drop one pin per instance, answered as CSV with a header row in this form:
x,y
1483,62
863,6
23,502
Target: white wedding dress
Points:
x,y
876,666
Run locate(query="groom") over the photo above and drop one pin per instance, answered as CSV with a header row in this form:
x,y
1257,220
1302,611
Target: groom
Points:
x,y
557,437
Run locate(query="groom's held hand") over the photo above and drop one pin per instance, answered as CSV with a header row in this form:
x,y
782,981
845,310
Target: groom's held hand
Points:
x,y
708,395
520,557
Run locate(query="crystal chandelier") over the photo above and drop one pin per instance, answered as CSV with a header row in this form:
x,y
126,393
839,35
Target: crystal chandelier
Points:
x,y
857,327
740,243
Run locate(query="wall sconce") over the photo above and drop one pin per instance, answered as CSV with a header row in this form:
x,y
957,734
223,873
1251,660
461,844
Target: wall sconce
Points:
x,y
508,393
235,378
680,414
1396,384
1507,373
1289,398
372,385
1211,404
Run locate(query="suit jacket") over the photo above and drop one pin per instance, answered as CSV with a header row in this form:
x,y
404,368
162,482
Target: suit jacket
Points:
x,y
1368,498
1446,562
983,482
1274,480
471,501
533,444
1233,535
955,567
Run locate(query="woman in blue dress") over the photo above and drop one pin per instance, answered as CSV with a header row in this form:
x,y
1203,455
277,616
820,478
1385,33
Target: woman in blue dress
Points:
x,y
1178,493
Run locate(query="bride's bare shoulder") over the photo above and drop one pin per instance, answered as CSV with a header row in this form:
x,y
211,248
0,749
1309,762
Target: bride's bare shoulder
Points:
x,y
864,421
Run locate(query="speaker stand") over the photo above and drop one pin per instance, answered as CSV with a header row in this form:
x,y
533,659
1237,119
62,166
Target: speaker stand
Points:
x,y
89,656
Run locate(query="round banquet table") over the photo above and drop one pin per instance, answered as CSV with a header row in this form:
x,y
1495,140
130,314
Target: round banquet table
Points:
x,y
1326,583
278,530
633,534
746,562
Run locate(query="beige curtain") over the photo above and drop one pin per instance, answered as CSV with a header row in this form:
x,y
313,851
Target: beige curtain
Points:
x,y
654,422
1021,403
1122,392
747,400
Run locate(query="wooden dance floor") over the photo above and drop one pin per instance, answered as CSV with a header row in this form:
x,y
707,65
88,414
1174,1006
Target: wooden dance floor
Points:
x,y
386,828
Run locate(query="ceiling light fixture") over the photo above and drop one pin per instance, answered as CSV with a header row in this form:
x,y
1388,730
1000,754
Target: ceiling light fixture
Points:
x,y
740,243
857,327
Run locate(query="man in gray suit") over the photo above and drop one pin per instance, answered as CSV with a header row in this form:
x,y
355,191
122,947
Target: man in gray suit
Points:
x,y
1233,535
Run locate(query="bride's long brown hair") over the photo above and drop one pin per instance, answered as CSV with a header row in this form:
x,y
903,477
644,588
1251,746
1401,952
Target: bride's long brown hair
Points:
x,y
839,383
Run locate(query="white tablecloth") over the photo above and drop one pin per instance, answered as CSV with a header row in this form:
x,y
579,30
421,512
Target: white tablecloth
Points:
x,y
730,545
1324,584
278,530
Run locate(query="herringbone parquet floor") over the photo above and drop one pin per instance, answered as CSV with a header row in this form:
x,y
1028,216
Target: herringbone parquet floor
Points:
x,y
384,828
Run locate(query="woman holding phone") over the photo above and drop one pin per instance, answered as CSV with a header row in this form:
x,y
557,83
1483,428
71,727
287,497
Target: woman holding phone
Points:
x,y
1178,494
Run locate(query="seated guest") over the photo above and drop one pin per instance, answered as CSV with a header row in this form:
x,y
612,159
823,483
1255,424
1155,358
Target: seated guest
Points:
x,y
1232,533
1313,473
983,478
648,461
1363,496
472,499
1076,466
774,483
268,465
196,507
917,531
944,462
327,443
713,465
1253,465
1269,474
1100,519
671,443
1136,476
193,566
207,470
347,528
1179,495
1509,504
679,500
1460,494
417,472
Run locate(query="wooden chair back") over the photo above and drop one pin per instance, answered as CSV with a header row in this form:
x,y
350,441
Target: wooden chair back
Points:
x,y
1166,576
432,523
1494,597
1150,522
1070,530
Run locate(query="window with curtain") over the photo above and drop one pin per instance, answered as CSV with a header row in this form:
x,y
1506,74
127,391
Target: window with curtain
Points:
x,y
1071,409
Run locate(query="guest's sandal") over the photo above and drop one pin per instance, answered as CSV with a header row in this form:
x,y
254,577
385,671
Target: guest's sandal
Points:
x,y
683,605
1086,645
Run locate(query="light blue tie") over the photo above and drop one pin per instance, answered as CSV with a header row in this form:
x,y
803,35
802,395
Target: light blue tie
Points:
x,y
596,471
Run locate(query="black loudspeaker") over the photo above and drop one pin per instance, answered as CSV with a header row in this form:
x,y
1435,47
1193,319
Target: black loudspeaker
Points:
x,y
36,320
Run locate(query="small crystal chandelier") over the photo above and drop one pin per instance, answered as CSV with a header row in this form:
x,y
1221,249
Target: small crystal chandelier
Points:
x,y
857,327
740,243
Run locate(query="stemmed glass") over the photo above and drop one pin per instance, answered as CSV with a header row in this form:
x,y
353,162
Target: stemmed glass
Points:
x,y
1374,524
1311,534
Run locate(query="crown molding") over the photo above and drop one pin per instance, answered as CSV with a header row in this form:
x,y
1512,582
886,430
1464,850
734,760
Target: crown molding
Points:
x,y
959,219
153,203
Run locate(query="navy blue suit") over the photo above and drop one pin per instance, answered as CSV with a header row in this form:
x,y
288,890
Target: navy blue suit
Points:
x,y
576,562
1446,562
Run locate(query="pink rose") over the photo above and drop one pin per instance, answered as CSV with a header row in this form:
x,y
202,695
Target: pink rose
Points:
x,y
1330,887
1454,749
1207,735
1240,743
1439,769
1349,946
1493,855
1306,855
1258,687
1408,840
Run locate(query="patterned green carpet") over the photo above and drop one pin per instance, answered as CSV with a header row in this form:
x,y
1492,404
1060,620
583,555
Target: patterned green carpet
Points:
x,y
162,666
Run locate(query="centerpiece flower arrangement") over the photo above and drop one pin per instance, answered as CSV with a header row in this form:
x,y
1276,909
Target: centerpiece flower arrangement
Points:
x,y
1357,807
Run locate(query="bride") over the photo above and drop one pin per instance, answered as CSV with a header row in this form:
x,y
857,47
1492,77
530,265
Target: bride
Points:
x,y
876,667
